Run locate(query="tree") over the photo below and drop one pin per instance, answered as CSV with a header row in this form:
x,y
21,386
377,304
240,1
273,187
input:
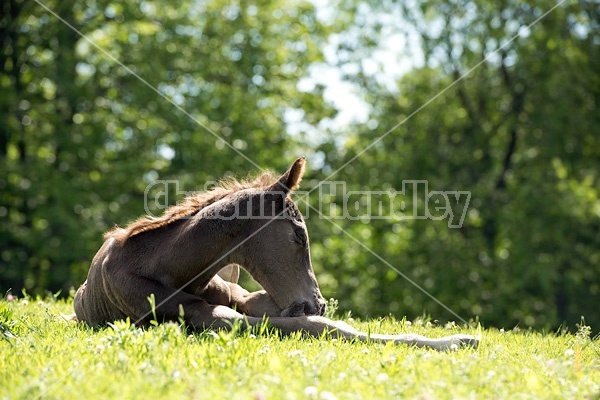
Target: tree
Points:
x,y
519,131
82,137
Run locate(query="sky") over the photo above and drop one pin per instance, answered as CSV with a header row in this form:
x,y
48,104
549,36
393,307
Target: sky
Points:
x,y
397,54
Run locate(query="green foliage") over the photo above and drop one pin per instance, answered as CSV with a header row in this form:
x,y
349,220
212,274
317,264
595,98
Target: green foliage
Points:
x,y
7,321
520,132
50,357
81,139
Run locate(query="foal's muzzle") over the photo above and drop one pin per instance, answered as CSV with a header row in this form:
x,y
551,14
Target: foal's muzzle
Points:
x,y
305,308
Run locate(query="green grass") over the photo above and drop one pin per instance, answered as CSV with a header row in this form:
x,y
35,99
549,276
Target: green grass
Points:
x,y
44,356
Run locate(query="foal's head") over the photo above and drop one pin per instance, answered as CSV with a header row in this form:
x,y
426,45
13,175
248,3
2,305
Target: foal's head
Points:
x,y
277,252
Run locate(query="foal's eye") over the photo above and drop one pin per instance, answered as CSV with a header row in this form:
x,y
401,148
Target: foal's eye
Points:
x,y
300,236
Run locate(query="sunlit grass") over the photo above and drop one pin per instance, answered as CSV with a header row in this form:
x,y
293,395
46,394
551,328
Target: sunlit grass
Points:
x,y
43,355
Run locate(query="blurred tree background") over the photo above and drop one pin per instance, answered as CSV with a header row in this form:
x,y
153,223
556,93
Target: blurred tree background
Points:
x,y
81,138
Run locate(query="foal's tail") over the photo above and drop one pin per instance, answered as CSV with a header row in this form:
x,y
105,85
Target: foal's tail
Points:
x,y
70,317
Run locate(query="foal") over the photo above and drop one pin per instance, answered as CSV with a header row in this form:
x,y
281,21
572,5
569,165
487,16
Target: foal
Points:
x,y
189,260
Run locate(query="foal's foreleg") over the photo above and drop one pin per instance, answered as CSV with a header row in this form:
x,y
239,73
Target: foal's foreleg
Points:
x,y
203,315
443,343
200,314
316,326
254,304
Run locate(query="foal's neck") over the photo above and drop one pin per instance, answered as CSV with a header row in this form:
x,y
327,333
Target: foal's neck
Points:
x,y
212,242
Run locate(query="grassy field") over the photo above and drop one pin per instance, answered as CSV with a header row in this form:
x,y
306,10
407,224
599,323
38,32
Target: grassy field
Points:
x,y
45,356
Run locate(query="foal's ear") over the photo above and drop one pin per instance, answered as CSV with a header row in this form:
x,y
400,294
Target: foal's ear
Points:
x,y
291,179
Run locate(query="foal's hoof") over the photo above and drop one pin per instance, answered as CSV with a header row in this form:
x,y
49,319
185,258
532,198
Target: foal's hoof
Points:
x,y
457,341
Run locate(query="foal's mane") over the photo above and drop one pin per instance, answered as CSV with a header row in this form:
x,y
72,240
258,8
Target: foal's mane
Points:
x,y
189,206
